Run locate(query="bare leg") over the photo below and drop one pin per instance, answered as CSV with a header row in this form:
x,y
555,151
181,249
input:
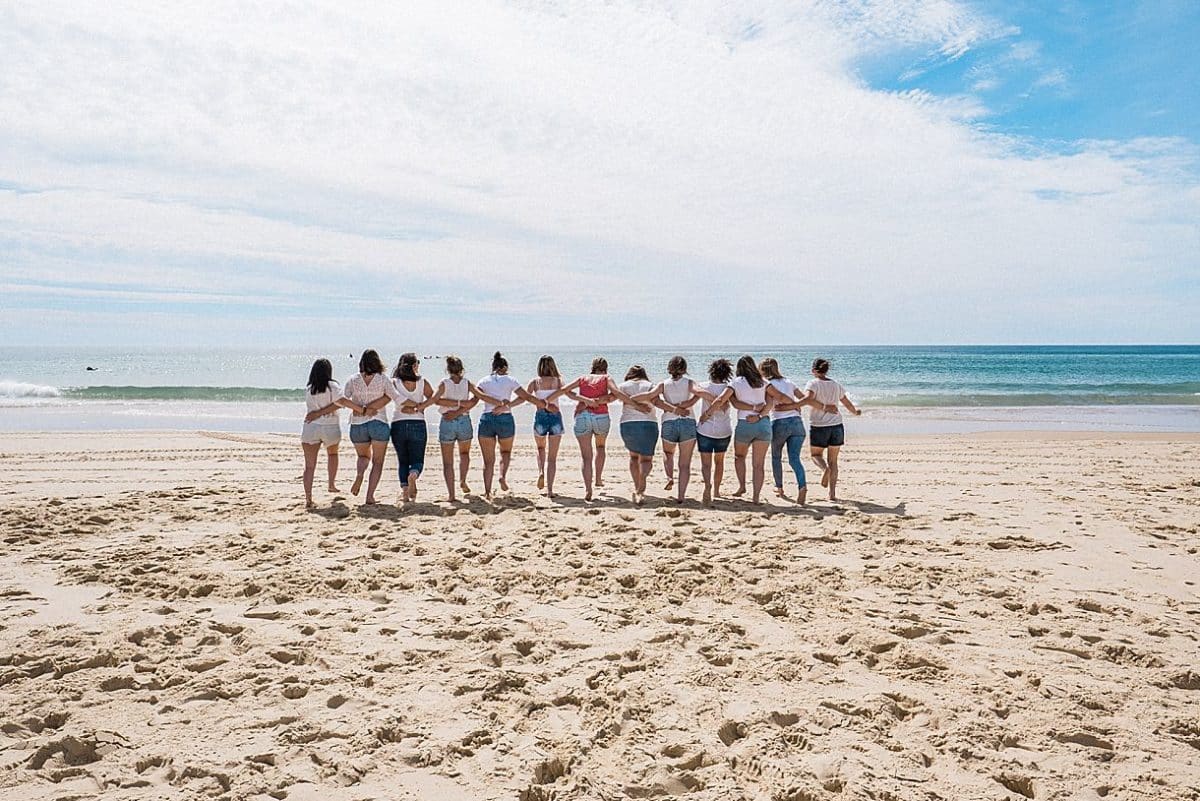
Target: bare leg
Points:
x,y
685,467
363,449
505,457
600,457
552,462
635,473
739,466
718,472
311,452
645,465
758,459
464,465
378,454
541,460
448,468
706,460
669,463
585,456
818,456
487,447
411,495
833,471
331,455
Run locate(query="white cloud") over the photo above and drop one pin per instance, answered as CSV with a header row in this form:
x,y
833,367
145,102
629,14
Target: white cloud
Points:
x,y
532,159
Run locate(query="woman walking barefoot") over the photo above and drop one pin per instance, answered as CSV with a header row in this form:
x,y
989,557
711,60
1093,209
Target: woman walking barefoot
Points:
x,y
639,427
714,430
547,422
455,397
675,397
496,424
410,434
592,394
826,430
370,390
748,394
787,426
322,425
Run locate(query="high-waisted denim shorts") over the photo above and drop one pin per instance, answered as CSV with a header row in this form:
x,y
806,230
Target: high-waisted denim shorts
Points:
x,y
587,423
752,432
682,429
370,431
547,423
497,426
456,430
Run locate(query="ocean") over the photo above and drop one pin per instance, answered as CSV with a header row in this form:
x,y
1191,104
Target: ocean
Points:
x,y
903,389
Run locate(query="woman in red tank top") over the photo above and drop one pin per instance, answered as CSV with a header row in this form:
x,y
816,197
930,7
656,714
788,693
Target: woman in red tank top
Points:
x,y
591,394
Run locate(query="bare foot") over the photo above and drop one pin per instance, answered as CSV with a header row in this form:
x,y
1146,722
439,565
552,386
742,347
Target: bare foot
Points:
x,y
670,484
356,486
599,482
779,492
309,504
802,496
637,499
333,489
504,484
370,502
740,492
825,479
551,495
588,496
451,499
465,489
708,496
541,482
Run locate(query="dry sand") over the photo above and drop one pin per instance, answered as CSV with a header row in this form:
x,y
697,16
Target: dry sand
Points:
x,y
983,617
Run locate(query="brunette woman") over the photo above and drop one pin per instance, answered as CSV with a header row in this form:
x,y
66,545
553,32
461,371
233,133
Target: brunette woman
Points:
x,y
371,391
500,392
322,425
409,432
547,422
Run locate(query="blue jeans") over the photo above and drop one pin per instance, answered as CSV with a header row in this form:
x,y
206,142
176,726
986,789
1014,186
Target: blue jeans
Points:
x,y
790,432
409,438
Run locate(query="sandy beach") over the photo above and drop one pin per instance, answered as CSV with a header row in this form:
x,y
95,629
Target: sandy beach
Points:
x,y
981,617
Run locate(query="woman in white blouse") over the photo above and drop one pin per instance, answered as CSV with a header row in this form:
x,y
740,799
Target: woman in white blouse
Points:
x,y
370,389
322,426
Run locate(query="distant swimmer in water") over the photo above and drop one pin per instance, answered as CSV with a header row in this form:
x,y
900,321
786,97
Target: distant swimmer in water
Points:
x,y
90,369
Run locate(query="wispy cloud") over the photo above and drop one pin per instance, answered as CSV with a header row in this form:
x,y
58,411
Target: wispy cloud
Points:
x,y
572,171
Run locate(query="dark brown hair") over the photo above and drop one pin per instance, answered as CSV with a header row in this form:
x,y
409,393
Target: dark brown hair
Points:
x,y
547,368
677,367
599,365
770,368
720,371
454,365
319,376
747,369
406,368
498,362
370,363
638,372
820,366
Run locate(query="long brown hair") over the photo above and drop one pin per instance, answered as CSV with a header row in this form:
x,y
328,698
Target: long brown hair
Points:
x,y
370,363
638,372
820,366
747,369
547,368
677,367
770,368
406,368
720,371
599,366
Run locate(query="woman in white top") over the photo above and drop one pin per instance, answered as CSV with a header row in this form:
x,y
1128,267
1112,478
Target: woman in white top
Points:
x,y
639,427
591,394
675,397
547,422
787,426
748,394
323,398
500,392
409,432
455,397
714,430
826,430
370,389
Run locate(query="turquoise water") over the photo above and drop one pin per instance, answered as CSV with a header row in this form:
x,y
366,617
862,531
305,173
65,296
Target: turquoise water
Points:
x,y
266,384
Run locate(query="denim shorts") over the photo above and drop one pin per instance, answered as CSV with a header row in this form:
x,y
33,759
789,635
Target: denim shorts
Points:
x,y
456,430
497,426
547,423
640,436
682,429
370,431
706,444
591,423
752,432
827,436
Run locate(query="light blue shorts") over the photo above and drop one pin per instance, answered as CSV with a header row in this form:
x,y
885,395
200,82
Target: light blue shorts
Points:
x,y
456,430
370,431
497,426
587,423
682,429
753,432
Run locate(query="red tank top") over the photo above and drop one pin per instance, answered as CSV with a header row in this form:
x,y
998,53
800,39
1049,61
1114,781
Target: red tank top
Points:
x,y
595,387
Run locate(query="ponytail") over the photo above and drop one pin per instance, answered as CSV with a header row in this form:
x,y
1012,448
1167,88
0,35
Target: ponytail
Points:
x,y
498,362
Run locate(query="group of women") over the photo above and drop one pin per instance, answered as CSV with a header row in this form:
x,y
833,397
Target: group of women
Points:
x,y
768,407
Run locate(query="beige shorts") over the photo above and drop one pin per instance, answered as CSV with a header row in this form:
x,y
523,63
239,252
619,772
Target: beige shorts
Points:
x,y
326,434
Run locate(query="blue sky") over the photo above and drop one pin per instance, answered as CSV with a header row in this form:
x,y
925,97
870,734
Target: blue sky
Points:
x,y
867,171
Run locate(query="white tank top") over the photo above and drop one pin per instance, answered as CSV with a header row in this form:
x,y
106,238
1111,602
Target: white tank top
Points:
x,y
542,394
405,395
676,390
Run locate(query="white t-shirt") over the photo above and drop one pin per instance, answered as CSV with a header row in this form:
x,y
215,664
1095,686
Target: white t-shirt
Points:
x,y
787,387
676,391
829,392
455,392
362,393
748,394
498,386
718,425
629,412
321,400
405,395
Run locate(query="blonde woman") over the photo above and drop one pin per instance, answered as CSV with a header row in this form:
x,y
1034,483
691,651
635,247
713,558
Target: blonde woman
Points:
x,y
591,393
